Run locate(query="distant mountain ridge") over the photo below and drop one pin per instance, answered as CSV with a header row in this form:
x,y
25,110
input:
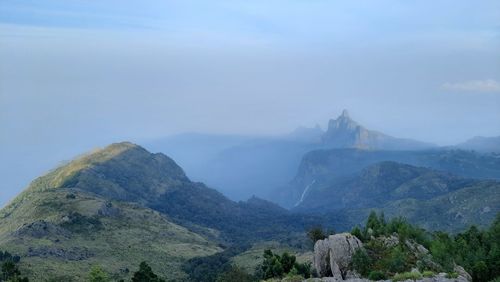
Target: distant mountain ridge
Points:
x,y
344,132
240,166
330,165
482,144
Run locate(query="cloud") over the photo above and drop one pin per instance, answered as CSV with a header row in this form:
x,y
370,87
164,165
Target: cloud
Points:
x,y
487,85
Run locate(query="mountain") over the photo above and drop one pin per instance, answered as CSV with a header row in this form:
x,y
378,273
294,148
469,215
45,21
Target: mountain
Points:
x,y
482,144
344,132
240,166
62,233
381,183
434,199
325,166
122,202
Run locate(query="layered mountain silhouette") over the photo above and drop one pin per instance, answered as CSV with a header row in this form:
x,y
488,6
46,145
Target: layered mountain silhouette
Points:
x,y
348,183
242,166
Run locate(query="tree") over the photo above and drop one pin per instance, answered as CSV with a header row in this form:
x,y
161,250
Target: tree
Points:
x,y
145,274
315,234
361,262
9,270
97,274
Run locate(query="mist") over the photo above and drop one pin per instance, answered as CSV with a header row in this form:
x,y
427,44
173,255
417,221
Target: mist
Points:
x,y
71,80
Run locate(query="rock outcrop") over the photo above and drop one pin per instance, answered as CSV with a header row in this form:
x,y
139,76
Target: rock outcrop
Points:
x,y
333,255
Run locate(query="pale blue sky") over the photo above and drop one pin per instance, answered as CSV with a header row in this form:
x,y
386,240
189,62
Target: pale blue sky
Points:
x,y
79,74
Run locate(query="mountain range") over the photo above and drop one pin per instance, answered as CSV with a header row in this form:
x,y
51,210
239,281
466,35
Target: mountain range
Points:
x,y
121,204
242,166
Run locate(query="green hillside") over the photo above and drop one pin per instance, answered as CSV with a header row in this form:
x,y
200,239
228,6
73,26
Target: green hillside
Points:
x,y
62,233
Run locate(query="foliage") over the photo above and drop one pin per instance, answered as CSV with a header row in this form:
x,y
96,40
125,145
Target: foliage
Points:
x,y
276,266
361,262
235,274
478,251
145,274
9,270
318,233
428,273
97,274
207,269
407,276
376,275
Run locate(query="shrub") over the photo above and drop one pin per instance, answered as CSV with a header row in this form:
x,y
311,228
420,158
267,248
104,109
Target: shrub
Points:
x,y
407,276
451,275
145,274
97,274
376,275
361,262
428,273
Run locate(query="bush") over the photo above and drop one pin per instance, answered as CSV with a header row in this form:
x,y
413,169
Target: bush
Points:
x,y
97,274
396,262
451,275
407,276
361,262
428,274
376,275
275,266
145,274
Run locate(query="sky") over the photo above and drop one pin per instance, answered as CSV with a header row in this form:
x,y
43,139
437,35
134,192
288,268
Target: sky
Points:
x,y
79,74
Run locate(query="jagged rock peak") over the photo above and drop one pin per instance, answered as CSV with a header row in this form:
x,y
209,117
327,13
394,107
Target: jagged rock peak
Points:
x,y
345,114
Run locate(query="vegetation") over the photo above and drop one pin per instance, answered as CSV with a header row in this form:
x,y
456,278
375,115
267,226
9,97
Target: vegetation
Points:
x,y
478,251
414,275
9,270
235,274
318,233
145,274
208,269
97,274
276,266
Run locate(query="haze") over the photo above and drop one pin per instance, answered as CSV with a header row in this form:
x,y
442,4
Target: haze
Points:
x,y
79,74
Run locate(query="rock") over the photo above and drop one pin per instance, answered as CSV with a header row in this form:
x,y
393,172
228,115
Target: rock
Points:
x,y
70,254
321,258
461,272
417,249
42,229
390,241
107,209
333,255
352,274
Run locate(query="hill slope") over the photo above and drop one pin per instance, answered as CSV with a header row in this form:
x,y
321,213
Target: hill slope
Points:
x,y
435,200
61,233
121,202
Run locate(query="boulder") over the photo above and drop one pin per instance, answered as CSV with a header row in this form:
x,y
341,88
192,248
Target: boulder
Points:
x,y
461,272
333,255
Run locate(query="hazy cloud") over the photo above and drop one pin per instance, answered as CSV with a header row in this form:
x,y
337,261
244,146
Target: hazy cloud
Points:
x,y
487,85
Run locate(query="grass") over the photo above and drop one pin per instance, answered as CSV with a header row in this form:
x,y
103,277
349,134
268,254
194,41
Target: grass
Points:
x,y
252,258
428,274
136,234
407,276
